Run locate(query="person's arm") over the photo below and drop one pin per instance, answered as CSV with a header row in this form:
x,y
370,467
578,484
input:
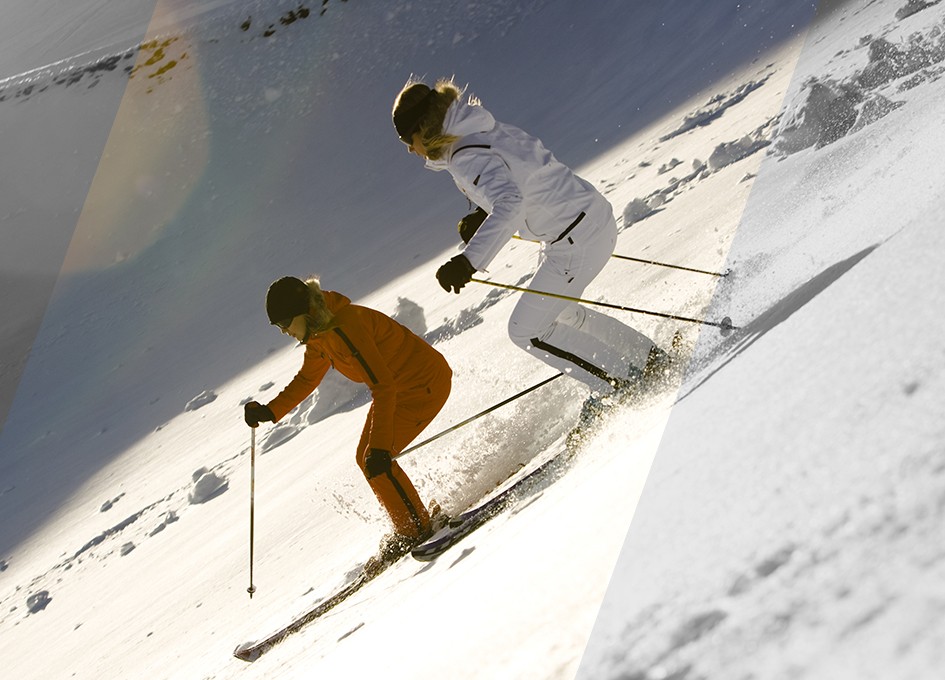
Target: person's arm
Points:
x,y
314,368
485,176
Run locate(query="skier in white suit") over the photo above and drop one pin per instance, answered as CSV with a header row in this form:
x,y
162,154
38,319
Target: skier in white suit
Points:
x,y
519,186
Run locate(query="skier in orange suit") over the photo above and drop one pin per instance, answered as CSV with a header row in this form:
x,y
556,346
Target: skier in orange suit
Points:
x,y
409,382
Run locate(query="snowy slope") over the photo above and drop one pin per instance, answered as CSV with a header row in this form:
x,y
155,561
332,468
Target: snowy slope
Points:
x,y
790,519
804,540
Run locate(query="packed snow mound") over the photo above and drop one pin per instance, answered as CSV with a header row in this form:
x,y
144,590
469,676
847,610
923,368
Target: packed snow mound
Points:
x,y
913,6
169,519
110,503
826,110
636,210
201,400
278,436
715,108
727,153
335,394
207,486
889,62
410,314
37,602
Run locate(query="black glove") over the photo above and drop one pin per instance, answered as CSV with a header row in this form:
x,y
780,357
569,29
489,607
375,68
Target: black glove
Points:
x,y
468,226
377,462
455,274
255,413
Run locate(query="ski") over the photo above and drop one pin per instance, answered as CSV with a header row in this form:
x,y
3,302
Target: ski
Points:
x,y
458,527
250,651
465,523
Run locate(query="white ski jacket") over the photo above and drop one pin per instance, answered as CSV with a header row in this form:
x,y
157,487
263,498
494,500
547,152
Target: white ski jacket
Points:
x,y
513,177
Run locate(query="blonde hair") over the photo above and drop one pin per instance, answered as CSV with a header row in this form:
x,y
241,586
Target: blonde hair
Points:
x,y
431,124
319,317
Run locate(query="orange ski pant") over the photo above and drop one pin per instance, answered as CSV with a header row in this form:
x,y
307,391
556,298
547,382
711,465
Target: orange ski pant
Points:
x,y
396,493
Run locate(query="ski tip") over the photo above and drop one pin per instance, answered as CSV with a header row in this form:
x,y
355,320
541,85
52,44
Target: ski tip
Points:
x,y
431,548
247,651
422,556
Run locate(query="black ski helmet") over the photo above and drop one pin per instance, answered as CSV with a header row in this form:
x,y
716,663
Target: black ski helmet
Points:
x,y
287,298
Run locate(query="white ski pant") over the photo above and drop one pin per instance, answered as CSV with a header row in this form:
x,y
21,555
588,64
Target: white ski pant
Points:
x,y
581,342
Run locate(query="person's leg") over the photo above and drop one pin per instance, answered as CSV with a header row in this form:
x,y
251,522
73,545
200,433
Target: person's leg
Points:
x,y
632,345
417,409
589,346
393,489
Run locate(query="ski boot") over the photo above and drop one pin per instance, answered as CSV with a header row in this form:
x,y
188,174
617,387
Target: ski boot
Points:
x,y
393,546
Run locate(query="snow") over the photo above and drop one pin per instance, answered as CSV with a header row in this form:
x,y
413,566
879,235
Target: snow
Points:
x,y
780,516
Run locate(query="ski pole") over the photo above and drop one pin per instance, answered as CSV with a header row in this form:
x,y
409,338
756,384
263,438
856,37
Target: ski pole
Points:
x,y
671,266
252,506
725,324
653,262
478,415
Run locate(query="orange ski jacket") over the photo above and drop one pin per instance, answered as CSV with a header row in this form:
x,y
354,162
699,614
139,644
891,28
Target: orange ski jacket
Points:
x,y
369,347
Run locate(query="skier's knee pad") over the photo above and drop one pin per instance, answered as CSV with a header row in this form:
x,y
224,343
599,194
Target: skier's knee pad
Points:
x,y
573,316
524,335
377,462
